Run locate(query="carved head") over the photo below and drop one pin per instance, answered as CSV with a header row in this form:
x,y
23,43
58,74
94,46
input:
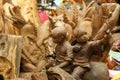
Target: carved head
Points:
x,y
55,20
83,31
58,34
28,30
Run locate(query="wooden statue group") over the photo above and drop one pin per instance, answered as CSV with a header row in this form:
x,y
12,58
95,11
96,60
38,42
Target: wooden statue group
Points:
x,y
81,39
75,57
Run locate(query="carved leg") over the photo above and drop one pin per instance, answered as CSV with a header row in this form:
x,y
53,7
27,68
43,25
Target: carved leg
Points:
x,y
78,72
29,67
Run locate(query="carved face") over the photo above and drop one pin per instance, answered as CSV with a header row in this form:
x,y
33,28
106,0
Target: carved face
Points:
x,y
82,36
83,31
28,30
56,20
57,39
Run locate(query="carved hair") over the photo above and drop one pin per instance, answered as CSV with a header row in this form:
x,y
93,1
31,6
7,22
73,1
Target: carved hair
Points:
x,y
28,29
83,27
59,31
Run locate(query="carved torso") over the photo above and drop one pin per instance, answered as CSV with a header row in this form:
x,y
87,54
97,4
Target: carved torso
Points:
x,y
61,51
31,51
82,57
86,51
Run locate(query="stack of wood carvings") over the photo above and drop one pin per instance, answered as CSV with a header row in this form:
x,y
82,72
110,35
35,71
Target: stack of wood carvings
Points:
x,y
20,20
26,47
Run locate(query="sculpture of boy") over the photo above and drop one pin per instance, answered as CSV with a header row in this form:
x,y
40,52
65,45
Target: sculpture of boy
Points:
x,y
84,51
63,50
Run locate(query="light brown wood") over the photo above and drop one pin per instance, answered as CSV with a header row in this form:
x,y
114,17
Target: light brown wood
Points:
x,y
28,10
34,76
40,76
10,48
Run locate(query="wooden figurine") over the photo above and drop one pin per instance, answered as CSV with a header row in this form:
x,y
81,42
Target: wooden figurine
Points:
x,y
84,50
63,48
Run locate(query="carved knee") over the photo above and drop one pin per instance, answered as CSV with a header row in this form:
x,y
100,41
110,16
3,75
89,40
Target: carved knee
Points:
x,y
78,72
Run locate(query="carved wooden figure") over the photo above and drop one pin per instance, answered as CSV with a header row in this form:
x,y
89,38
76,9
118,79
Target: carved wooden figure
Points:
x,y
103,17
84,50
63,50
58,21
31,52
